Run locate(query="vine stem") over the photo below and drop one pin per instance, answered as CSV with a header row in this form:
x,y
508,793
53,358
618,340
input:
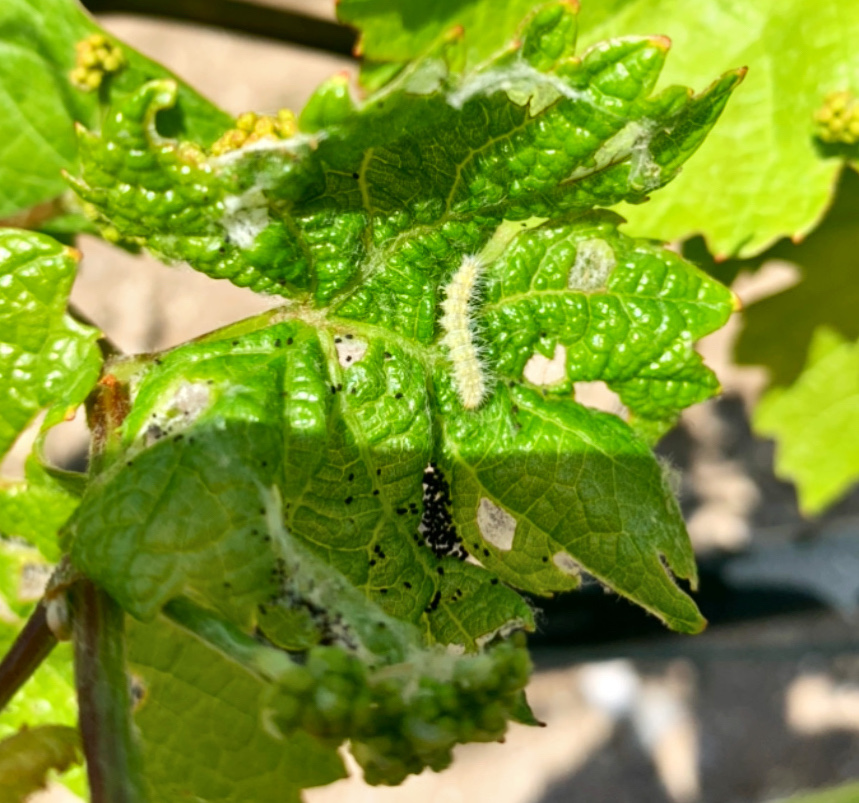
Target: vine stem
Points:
x,y
280,24
112,756
113,761
33,645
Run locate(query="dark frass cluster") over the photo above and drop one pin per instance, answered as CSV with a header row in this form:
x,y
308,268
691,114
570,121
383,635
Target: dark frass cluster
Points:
x,y
437,525
403,718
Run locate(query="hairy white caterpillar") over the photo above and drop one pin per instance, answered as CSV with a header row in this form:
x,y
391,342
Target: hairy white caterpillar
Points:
x,y
456,320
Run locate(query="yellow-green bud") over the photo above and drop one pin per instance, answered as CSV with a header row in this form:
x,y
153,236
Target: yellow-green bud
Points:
x,y
96,57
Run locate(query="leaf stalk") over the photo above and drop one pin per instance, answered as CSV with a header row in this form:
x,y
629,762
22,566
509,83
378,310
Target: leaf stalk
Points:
x,y
33,645
110,746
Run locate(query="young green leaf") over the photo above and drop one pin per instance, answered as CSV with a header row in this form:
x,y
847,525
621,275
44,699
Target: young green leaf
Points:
x,y
39,102
546,490
393,35
747,188
36,508
48,697
827,294
27,757
811,419
202,733
369,214
217,424
607,307
46,357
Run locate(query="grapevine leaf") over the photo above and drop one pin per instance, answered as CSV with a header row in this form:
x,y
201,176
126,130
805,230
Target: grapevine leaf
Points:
x,y
203,738
346,443
39,103
546,489
827,295
369,213
36,509
215,425
837,794
27,757
809,419
610,308
394,34
46,357
48,697
746,188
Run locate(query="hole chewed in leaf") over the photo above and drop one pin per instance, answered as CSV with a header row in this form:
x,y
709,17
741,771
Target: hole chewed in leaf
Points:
x,y
540,370
349,351
599,396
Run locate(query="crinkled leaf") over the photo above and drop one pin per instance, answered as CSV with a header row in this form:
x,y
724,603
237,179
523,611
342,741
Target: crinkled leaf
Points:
x,y
27,757
39,104
370,212
346,443
762,174
610,308
813,422
46,357
202,733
